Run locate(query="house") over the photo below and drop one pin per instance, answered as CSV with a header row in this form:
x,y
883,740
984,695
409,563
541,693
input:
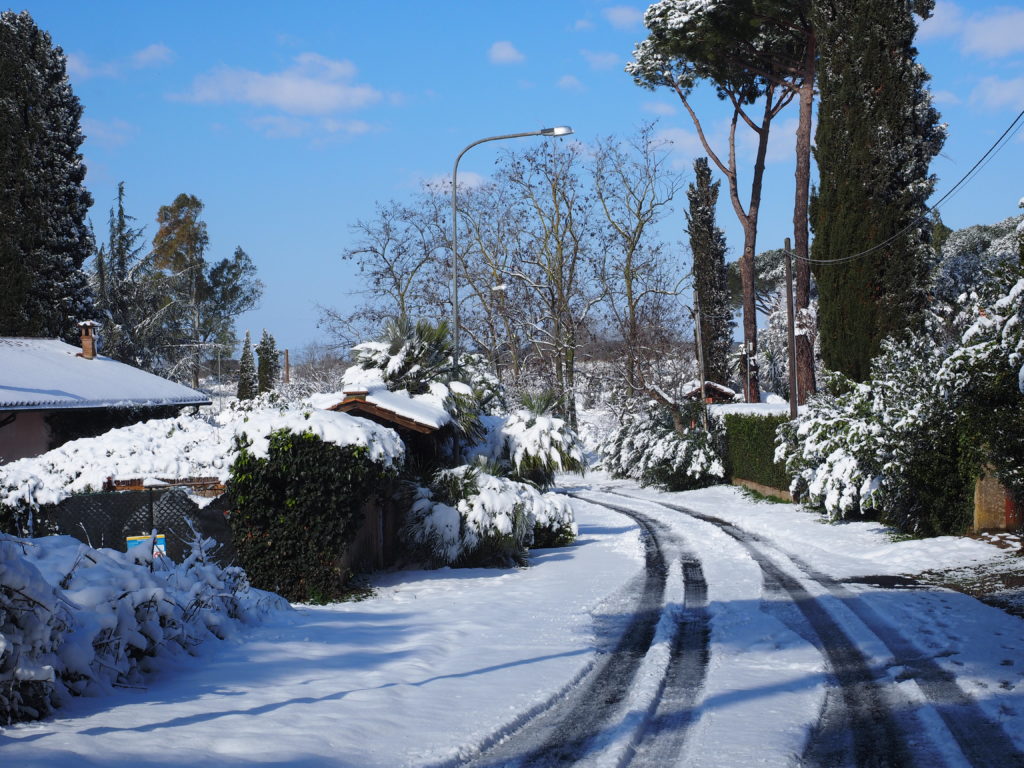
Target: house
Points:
x,y
52,392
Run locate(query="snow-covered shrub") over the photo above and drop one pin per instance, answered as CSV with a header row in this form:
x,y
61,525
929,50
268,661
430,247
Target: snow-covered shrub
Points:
x,y
538,446
297,508
896,445
76,620
469,517
648,447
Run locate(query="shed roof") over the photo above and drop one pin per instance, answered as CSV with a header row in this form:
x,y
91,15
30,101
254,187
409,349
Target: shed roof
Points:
x,y
44,374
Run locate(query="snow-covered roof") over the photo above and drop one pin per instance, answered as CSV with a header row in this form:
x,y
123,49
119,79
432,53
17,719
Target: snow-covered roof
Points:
x,y
40,374
427,409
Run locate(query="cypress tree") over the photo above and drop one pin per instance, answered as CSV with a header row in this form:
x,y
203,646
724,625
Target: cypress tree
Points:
x,y
247,382
707,244
44,238
268,370
877,133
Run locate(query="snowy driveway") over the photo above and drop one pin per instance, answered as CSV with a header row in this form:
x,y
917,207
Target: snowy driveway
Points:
x,y
701,630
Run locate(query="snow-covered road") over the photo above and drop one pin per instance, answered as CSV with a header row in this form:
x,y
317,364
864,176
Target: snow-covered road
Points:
x,y
696,629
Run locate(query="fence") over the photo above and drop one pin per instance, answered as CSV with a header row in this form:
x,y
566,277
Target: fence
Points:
x,y
106,519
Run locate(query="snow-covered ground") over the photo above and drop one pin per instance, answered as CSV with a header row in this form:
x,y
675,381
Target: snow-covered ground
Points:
x,y
438,664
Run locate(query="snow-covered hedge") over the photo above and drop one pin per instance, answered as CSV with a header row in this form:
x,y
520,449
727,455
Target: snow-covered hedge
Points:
x,y
78,621
186,446
647,448
469,517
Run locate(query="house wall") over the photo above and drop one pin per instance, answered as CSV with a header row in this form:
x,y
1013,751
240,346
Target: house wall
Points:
x,y
27,435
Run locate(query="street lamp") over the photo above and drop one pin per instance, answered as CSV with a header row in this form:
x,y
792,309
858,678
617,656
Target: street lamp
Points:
x,y
558,130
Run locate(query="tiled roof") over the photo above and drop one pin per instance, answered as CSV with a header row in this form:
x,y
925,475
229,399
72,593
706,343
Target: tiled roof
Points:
x,y
40,374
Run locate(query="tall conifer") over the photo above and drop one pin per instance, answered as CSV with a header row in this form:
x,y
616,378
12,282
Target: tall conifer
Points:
x,y
44,238
707,244
248,386
268,370
877,133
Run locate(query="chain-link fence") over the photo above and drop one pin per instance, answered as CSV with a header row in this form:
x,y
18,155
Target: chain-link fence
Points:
x,y
107,519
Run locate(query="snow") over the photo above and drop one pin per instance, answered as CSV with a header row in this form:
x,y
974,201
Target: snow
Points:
x,y
47,373
775,406
844,550
186,446
427,409
438,664
431,667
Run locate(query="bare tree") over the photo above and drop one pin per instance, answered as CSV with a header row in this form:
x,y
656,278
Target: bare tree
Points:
x,y
634,189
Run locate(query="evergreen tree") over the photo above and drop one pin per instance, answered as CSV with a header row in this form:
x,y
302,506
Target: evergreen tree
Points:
x,y
877,133
248,385
129,293
269,368
44,239
707,244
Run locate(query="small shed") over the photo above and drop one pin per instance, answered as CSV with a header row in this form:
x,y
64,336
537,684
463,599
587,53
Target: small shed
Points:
x,y
713,393
422,424
52,392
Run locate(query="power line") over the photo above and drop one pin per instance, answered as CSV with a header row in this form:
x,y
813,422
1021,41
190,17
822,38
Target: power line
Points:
x,y
975,169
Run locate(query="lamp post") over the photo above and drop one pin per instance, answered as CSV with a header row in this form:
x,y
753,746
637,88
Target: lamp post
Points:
x,y
559,130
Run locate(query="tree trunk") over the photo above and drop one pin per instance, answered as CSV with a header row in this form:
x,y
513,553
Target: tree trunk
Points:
x,y
806,384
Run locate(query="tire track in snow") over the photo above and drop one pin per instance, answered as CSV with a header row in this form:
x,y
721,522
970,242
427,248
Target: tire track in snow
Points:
x,y
983,743
585,723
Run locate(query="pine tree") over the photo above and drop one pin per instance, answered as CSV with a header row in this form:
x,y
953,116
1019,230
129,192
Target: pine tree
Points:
x,y
707,244
247,383
44,238
877,133
268,370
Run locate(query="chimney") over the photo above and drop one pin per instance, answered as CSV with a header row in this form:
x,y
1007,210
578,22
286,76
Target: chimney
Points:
x,y
87,331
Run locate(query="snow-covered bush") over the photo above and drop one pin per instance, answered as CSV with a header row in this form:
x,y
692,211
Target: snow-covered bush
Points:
x,y
184,446
297,509
469,517
898,445
77,621
648,447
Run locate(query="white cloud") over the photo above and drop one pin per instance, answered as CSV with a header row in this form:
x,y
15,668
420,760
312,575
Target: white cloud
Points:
x,y
280,126
110,133
314,85
996,35
601,59
291,127
991,35
945,97
570,83
503,52
151,55
624,16
351,127
945,21
994,92
659,108
582,24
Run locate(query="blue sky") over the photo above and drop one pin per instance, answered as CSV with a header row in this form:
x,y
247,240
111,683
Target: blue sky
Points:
x,y
291,120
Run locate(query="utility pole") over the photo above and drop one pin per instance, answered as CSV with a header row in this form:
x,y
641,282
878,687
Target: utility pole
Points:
x,y
790,325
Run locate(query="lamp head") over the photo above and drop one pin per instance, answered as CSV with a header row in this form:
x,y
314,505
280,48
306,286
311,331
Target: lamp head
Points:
x,y
558,130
